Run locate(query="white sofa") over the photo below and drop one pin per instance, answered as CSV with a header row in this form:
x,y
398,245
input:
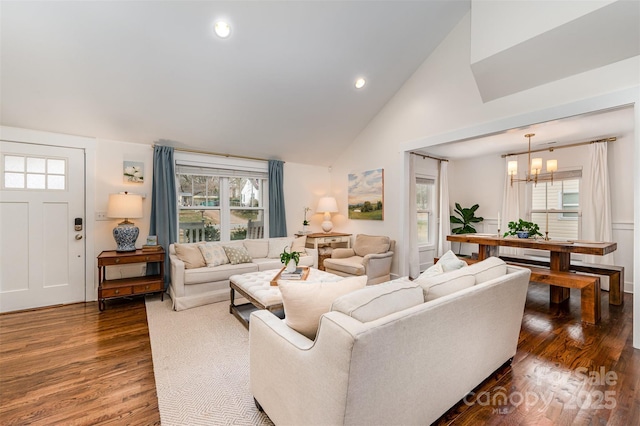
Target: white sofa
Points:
x,y
191,287
384,356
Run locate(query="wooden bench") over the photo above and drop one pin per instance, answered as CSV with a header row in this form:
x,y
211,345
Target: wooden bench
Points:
x,y
588,285
615,273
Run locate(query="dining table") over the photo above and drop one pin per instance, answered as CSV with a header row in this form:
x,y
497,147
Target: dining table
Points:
x,y
560,251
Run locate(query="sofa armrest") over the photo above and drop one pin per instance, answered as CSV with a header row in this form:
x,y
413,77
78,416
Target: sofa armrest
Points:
x,y
378,265
341,253
177,275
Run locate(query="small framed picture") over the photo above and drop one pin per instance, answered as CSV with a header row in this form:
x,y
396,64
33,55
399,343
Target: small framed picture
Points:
x,y
133,172
152,240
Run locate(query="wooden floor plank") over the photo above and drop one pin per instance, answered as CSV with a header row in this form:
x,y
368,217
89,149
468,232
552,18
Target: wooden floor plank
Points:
x,y
75,365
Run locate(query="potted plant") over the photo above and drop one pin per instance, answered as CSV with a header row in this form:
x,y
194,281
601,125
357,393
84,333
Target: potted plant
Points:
x,y
290,259
467,219
523,229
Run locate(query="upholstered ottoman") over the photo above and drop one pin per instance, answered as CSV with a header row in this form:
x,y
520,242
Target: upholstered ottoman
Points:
x,y
257,289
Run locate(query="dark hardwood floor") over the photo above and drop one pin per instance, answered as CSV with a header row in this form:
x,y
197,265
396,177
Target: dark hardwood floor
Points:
x,y
73,365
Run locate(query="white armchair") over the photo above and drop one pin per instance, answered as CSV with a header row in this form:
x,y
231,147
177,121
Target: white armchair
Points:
x,y
371,255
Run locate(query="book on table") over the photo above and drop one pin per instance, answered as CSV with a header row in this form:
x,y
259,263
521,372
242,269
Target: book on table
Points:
x,y
295,275
148,248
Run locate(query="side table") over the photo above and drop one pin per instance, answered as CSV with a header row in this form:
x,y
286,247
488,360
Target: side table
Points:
x,y
327,238
121,287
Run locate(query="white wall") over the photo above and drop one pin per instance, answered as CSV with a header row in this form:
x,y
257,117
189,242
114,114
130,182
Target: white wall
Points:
x,y
304,184
440,103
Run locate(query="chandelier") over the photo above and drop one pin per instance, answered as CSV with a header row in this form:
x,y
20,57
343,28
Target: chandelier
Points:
x,y
535,167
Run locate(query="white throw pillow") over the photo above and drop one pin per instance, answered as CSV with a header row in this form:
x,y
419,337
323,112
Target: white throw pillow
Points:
x,y
488,269
299,244
277,246
214,254
305,302
432,271
450,262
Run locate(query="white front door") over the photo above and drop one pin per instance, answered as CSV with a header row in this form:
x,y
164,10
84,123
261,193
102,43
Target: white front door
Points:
x,y
41,254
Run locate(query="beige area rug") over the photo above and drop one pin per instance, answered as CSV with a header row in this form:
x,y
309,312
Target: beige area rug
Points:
x,y
201,365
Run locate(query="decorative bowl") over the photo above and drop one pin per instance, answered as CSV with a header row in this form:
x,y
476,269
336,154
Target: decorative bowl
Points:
x,y
522,234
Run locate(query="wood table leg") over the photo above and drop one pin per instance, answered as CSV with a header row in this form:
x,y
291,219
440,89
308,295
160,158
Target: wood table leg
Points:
x,y
559,261
616,284
485,251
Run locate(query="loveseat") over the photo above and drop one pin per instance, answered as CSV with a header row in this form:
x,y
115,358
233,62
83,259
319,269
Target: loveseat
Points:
x,y
196,280
401,352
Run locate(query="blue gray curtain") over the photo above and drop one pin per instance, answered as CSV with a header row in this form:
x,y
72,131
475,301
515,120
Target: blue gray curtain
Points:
x,y
277,217
164,206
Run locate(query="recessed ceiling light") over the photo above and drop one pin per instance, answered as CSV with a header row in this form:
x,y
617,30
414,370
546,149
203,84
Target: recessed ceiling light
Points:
x,y
222,29
360,83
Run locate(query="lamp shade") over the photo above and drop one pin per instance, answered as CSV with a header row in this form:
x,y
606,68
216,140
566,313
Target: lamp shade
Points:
x,y
327,204
124,206
512,168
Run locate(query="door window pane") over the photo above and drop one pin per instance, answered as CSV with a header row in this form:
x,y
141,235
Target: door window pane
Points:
x,y
13,163
35,165
37,173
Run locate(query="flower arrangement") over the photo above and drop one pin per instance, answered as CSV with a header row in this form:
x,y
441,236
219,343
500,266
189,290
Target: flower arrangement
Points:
x,y
305,222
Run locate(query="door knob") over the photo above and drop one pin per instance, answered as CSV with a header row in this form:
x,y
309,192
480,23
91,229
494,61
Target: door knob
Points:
x,y
78,237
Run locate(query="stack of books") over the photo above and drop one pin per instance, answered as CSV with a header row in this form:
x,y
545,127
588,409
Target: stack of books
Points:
x,y
295,275
148,248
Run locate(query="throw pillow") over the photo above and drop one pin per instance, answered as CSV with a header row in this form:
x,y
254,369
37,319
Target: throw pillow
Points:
x,y
237,255
213,254
299,245
488,269
432,271
190,255
450,262
377,301
277,246
305,302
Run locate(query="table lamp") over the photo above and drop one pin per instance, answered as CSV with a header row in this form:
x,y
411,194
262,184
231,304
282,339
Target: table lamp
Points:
x,y
327,205
125,206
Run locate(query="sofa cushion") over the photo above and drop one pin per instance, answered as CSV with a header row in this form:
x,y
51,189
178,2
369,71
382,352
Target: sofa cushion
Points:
x,y
371,244
190,254
265,264
257,248
380,300
277,246
305,302
219,273
450,262
237,255
350,265
447,283
213,254
488,269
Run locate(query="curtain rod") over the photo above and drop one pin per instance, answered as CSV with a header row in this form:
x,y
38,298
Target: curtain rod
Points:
x,y
550,149
427,156
195,151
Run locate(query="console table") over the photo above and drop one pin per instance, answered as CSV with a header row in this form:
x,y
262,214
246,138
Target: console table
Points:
x,y
324,239
122,287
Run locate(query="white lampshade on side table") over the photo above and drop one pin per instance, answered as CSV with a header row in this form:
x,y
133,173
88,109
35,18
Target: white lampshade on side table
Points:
x,y
125,206
327,205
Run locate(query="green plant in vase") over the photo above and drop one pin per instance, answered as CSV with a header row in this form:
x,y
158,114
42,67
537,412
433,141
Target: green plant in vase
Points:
x,y
523,229
286,257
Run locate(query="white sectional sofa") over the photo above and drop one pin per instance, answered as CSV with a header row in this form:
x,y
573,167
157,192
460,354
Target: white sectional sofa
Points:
x,y
401,352
195,284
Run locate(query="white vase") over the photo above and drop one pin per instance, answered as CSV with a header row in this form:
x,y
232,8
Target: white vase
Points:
x,y
291,266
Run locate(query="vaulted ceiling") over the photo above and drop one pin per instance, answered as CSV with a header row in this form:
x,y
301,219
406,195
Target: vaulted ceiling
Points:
x,y
281,86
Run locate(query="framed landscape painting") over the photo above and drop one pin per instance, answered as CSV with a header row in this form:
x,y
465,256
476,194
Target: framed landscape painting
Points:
x,y
366,195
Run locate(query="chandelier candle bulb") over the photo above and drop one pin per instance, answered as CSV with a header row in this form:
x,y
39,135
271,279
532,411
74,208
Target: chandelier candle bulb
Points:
x,y
552,166
536,166
512,168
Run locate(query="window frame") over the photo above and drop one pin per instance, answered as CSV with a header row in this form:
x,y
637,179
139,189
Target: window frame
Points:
x,y
432,217
224,169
